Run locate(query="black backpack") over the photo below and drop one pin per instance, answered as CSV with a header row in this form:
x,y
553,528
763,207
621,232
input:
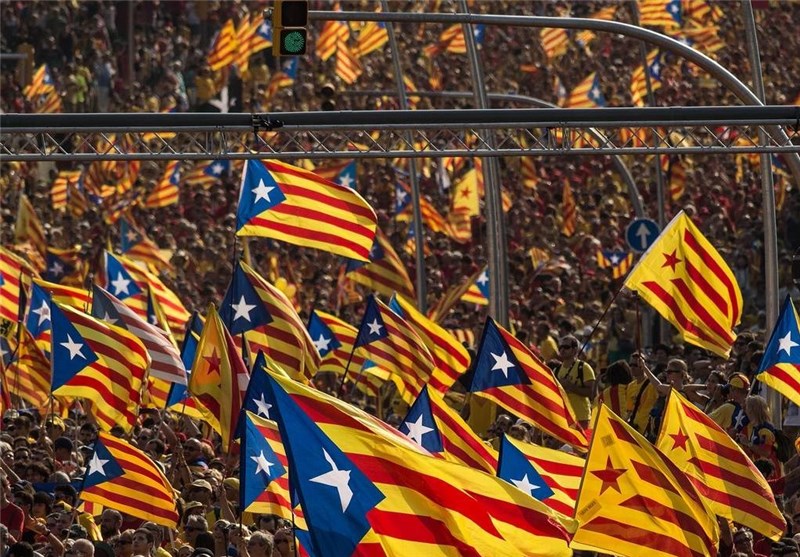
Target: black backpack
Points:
x,y
784,447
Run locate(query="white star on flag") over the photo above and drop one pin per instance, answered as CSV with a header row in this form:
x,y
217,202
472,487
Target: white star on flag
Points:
x,y
107,318
417,429
322,343
501,363
483,278
525,485
43,312
262,464
120,284
131,236
262,191
217,169
614,259
786,343
340,479
242,309
73,347
375,327
96,465
345,180
56,268
262,406
401,196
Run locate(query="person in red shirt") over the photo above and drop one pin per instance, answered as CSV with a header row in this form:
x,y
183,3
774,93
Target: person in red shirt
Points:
x,y
10,514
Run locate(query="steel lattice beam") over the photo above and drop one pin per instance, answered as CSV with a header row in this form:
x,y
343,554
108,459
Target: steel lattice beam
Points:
x,y
366,134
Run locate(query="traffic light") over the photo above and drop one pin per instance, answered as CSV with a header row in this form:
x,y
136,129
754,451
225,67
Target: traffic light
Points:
x,y
289,27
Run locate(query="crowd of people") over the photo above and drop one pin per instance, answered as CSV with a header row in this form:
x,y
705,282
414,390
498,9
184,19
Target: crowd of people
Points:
x,y
556,309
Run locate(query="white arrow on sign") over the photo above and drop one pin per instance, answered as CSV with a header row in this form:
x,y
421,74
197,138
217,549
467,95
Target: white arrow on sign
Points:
x,y
642,233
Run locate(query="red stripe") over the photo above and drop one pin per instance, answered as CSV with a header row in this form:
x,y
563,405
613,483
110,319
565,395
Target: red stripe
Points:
x,y
307,234
467,436
790,379
720,273
641,537
421,529
154,509
677,313
700,310
557,468
675,516
532,521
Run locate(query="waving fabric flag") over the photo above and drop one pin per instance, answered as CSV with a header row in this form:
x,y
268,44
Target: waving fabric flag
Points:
x,y
165,360
507,373
29,228
569,211
587,93
373,36
554,42
166,192
385,338
332,33
333,339
478,291
686,280
63,266
780,365
655,63
456,293
342,173
560,471
41,83
362,485
223,51
136,245
450,357
58,189
466,195
100,362
178,398
288,203
724,476
619,261
633,501
514,468
269,322
207,173
219,378
121,477
660,13
13,269
348,68
28,374
259,465
385,272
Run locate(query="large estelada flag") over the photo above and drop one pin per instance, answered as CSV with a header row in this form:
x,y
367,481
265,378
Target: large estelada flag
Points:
x,y
780,366
288,203
119,476
684,278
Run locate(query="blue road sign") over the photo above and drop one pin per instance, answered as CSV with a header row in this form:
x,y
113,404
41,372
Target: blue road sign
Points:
x,y
641,233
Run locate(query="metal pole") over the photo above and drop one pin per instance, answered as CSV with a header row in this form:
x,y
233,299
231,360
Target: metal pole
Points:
x,y
768,202
495,219
131,45
619,163
419,244
736,86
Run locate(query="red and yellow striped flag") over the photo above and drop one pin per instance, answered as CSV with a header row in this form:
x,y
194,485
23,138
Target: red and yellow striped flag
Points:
x,y
373,36
569,210
275,499
634,501
224,51
586,94
166,192
120,476
13,268
100,362
554,42
686,280
466,197
219,378
451,297
58,189
451,358
333,32
385,273
348,68
41,83
28,227
28,376
725,477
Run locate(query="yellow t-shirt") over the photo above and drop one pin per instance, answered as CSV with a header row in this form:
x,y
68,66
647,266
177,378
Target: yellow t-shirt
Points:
x,y
548,348
581,405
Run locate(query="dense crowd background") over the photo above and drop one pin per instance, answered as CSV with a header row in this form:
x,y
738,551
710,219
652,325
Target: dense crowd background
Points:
x,y
85,47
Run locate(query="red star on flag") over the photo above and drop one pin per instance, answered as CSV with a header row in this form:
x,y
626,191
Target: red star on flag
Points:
x,y
213,362
671,260
679,439
609,476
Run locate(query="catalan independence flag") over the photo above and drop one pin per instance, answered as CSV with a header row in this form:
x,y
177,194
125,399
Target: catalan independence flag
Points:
x,y
119,476
13,269
333,338
634,501
342,173
135,244
587,94
366,488
684,278
619,261
28,374
478,291
453,295
166,192
554,42
29,227
207,173
42,295
451,358
723,474
41,83
780,365
385,272
58,189
99,362
655,64
332,33
64,265
509,374
223,51
373,36
219,378
294,205
259,465
660,13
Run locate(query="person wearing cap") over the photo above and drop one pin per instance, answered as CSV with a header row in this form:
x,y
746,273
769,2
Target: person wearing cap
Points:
x,y
743,542
577,378
731,416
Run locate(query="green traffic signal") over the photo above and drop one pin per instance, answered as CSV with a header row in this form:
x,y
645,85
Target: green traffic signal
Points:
x,y
293,42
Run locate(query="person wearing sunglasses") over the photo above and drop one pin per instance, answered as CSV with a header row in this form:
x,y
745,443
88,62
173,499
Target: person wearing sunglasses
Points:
x,y
577,378
284,543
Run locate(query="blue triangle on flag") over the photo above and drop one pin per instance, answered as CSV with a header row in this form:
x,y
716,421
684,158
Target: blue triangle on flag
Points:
x,y
255,398
394,305
482,282
420,426
376,253
178,392
217,168
242,309
516,469
103,308
118,280
70,352
258,464
102,467
372,326
128,236
347,176
38,320
259,192
784,343
401,198
321,335
334,493
495,364
57,268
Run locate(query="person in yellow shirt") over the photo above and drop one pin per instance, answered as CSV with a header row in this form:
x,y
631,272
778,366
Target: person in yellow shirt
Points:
x,y
548,347
731,416
577,378
641,395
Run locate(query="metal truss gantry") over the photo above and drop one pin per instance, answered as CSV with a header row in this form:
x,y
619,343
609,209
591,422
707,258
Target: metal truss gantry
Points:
x,y
390,134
